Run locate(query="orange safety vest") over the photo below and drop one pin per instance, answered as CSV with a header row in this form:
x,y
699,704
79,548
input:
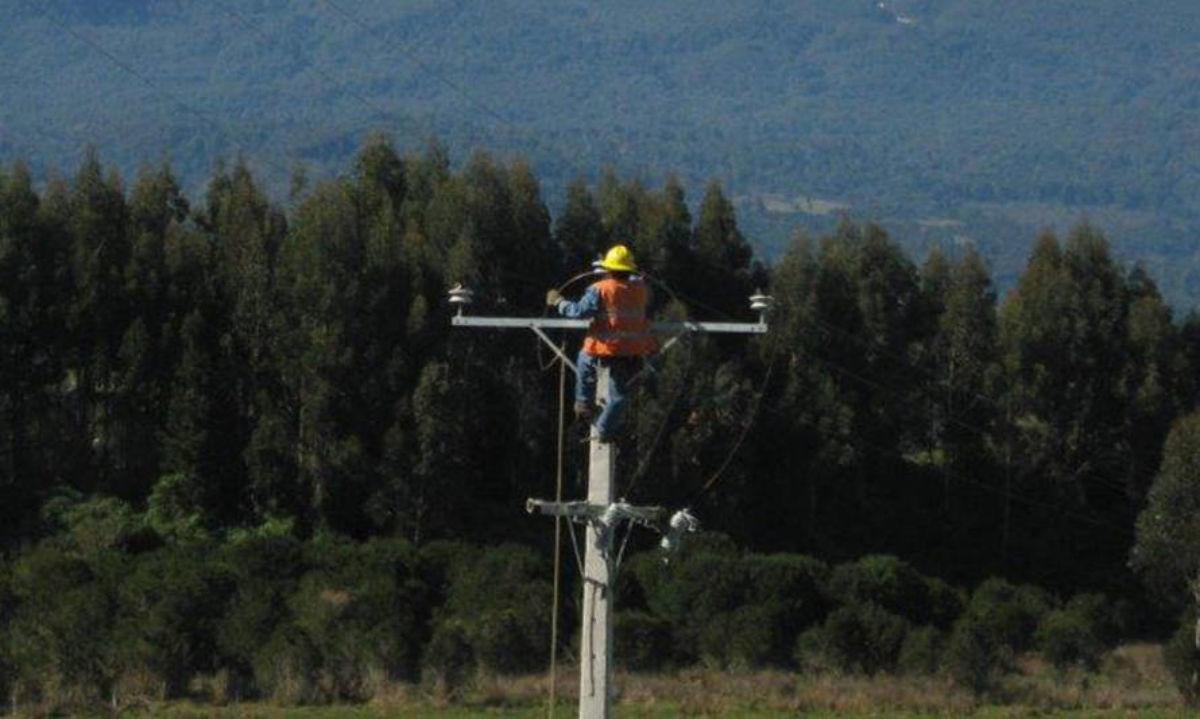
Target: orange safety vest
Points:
x,y
620,328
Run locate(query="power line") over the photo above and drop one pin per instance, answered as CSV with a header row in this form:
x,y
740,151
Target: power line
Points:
x,y
424,67
1101,479
366,101
129,69
1006,494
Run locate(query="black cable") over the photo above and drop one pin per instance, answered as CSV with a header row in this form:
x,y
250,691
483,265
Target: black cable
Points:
x,y
311,66
96,47
414,59
715,478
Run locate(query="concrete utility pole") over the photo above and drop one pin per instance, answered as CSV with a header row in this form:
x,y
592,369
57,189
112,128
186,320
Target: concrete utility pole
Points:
x,y
602,515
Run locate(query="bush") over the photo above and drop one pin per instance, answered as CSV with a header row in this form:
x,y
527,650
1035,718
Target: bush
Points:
x,y
169,604
449,658
60,636
1008,614
1183,660
642,641
502,600
808,653
691,593
762,635
896,586
364,609
972,657
921,653
6,607
791,594
864,638
1067,637
728,608
6,672
286,667
266,569
1108,620
946,603
743,638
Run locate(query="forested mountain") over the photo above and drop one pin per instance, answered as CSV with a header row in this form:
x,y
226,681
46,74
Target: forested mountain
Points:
x,y
942,120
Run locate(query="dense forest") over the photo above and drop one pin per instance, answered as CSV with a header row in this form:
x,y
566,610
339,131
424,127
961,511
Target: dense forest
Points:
x,y
938,119
240,436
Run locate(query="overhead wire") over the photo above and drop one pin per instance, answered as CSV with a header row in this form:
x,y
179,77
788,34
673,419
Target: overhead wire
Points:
x,y
558,494
130,70
327,76
749,422
420,64
644,462
908,365
989,488
1023,499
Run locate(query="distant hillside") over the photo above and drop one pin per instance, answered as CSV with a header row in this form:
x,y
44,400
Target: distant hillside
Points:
x,y
946,120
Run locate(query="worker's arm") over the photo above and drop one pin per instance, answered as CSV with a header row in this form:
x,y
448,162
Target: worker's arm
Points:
x,y
587,305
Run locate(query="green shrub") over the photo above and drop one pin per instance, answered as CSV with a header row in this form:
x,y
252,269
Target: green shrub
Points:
x,y
1066,637
791,593
169,605
503,600
1009,614
691,593
286,668
7,603
87,524
504,644
757,635
921,653
1183,660
863,637
60,636
449,658
740,638
946,603
365,609
642,641
6,671
896,586
436,563
726,608
808,653
972,657
266,570
1108,620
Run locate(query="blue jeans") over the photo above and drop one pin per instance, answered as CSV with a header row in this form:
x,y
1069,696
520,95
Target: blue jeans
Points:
x,y
620,371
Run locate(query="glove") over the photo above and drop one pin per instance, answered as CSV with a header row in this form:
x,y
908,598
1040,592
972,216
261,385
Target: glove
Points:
x,y
553,297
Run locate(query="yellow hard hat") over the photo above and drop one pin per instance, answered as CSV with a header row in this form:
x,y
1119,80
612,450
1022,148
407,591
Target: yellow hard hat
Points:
x,y
619,259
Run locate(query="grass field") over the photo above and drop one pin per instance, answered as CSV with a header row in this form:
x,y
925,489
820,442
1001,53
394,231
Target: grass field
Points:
x,y
1132,682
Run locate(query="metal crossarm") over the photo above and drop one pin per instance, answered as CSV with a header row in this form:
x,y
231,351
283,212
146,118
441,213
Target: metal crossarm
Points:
x,y
559,323
600,512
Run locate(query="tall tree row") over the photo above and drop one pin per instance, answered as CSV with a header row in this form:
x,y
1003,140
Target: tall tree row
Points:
x,y
223,363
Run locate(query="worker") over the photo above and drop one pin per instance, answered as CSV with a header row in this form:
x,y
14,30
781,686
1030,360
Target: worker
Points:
x,y
618,337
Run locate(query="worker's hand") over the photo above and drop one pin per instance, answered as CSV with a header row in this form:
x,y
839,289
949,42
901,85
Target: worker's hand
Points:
x,y
553,297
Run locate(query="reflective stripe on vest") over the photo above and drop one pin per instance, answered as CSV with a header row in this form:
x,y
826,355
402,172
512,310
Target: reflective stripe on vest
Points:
x,y
620,328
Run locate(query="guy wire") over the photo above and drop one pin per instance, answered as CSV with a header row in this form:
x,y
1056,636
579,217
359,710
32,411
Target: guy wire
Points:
x,y
558,485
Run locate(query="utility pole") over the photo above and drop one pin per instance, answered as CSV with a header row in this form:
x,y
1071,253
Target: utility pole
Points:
x,y
602,516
